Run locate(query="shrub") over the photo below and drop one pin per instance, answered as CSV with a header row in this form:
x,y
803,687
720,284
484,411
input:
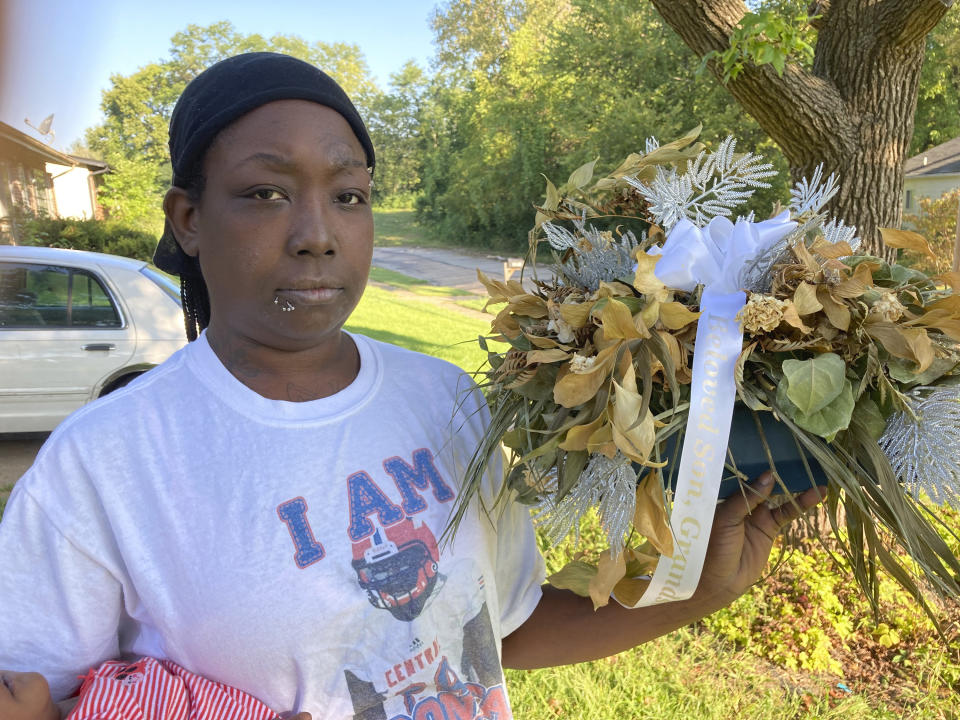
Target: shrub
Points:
x,y
937,222
94,235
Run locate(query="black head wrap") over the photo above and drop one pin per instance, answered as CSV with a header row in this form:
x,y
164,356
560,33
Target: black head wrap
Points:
x,y
228,90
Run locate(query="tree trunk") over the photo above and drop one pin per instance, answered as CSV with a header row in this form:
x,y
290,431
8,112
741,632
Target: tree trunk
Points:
x,y
853,111
956,243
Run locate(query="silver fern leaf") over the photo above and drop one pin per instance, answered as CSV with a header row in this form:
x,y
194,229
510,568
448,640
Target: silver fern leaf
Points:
x,y
610,485
597,255
923,446
809,196
713,184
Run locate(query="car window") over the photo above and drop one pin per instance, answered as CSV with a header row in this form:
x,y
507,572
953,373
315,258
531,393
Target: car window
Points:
x,y
163,282
44,296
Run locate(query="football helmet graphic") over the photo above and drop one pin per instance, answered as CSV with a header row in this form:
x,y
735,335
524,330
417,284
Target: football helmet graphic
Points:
x,y
397,567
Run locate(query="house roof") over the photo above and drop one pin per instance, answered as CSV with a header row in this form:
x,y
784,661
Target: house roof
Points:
x,y
944,159
48,153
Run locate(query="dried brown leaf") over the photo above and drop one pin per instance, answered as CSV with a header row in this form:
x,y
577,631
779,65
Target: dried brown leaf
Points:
x,y
836,311
907,240
675,315
792,318
805,299
617,322
547,356
610,570
650,515
577,388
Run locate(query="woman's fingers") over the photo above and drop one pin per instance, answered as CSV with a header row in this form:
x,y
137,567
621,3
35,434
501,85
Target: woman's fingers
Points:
x,y
789,511
738,506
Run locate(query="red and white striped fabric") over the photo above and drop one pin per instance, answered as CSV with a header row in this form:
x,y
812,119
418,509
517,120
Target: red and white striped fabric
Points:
x,y
152,689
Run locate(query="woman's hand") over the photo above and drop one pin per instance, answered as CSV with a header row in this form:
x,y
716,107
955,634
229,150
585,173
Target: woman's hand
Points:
x,y
744,529
26,696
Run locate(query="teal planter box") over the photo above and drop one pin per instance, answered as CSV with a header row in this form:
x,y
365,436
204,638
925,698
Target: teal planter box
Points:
x,y
751,458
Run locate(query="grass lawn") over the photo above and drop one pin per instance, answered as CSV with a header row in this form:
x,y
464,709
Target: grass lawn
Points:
x,y
684,675
399,227
4,494
426,327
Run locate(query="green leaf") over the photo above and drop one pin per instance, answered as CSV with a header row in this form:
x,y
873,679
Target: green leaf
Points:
x,y
905,371
540,387
825,422
552,201
813,384
779,62
582,175
575,576
869,415
569,470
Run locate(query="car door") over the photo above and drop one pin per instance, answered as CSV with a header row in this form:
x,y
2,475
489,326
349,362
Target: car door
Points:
x,y
62,330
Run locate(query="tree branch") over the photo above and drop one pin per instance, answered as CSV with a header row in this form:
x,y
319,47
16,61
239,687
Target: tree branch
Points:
x,y
909,21
788,108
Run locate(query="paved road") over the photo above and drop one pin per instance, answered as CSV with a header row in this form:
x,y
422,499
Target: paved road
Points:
x,y
436,266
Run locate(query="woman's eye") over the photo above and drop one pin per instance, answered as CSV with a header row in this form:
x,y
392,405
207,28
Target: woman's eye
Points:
x,y
267,194
350,198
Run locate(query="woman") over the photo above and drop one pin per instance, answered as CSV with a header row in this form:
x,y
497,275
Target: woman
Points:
x,y
263,508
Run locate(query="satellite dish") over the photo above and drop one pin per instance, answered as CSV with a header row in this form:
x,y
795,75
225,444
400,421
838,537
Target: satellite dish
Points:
x,y
46,127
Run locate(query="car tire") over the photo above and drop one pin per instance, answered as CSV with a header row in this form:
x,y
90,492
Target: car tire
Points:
x,y
120,382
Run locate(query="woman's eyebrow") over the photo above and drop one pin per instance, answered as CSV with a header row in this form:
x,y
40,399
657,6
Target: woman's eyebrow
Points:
x,y
346,162
278,162
339,162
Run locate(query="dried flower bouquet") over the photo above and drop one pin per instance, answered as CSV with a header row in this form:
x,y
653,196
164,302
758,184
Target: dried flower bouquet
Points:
x,y
615,382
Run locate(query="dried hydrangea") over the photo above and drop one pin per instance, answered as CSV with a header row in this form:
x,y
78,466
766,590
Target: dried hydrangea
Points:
x,y
581,364
761,314
561,327
887,307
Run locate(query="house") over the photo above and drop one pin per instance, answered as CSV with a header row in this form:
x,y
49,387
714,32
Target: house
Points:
x,y
37,179
931,174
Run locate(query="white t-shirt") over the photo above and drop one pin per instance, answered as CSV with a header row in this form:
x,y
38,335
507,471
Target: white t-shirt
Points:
x,y
287,549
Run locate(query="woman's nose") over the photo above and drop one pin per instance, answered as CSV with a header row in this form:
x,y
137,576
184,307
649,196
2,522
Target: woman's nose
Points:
x,y
311,232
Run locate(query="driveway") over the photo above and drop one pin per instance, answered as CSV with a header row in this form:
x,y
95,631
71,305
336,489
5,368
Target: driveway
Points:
x,y
438,266
16,455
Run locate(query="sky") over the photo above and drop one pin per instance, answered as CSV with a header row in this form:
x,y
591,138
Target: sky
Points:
x,y
58,55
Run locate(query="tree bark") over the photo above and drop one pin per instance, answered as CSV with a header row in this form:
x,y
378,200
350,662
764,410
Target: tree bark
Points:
x,y
853,111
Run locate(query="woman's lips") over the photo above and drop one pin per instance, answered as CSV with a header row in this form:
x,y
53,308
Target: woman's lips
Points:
x,y
309,296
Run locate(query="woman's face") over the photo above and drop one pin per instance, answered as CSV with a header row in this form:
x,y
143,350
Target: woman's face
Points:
x,y
284,221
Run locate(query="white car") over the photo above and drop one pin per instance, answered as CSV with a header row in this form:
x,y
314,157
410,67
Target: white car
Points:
x,y
74,326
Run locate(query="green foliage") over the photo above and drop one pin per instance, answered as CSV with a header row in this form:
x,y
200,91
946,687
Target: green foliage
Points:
x,y
133,135
111,237
132,193
806,624
569,84
5,491
816,394
766,37
394,123
475,36
690,674
937,117
937,222
807,615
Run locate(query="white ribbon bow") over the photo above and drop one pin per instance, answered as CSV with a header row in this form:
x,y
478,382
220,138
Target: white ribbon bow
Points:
x,y
716,255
